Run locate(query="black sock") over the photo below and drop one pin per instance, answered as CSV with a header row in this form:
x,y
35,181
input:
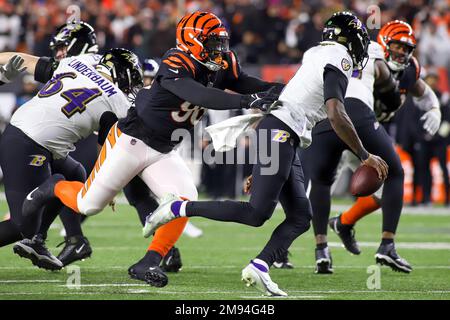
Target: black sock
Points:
x,y
152,258
49,215
71,221
144,208
321,246
9,233
386,241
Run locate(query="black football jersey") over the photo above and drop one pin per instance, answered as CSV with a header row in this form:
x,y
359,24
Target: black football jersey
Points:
x,y
158,112
409,76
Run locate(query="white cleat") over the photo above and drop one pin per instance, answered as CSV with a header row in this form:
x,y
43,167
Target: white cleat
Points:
x,y
256,277
160,216
192,231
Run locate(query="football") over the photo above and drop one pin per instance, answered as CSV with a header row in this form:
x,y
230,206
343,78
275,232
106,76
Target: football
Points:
x,y
365,181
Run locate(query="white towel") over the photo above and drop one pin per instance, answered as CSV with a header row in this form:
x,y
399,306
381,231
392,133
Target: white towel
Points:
x,y
225,133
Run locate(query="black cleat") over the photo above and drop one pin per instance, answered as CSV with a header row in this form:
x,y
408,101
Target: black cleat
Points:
x,y
324,262
387,255
75,248
38,197
37,252
172,261
282,261
156,277
137,270
347,234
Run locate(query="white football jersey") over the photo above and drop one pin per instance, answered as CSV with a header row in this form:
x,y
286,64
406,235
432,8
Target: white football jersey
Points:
x,y
68,108
360,85
302,98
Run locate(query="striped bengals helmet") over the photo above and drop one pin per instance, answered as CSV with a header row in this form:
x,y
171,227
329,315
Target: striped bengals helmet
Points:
x,y
204,37
397,32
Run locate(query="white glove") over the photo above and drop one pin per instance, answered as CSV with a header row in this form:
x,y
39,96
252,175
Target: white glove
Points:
x,y
12,69
432,120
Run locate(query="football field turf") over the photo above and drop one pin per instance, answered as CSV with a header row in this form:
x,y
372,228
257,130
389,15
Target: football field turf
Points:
x,y
213,263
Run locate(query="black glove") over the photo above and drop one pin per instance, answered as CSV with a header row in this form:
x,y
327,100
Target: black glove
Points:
x,y
382,112
261,100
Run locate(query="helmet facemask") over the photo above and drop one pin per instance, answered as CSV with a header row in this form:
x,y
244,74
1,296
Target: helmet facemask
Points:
x,y
359,52
214,48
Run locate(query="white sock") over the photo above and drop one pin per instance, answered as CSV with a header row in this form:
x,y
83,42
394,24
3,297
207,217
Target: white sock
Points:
x,y
261,262
183,209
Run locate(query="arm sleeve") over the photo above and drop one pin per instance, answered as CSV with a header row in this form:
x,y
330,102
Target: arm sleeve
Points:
x,y
107,120
387,92
241,82
334,83
246,84
45,68
194,92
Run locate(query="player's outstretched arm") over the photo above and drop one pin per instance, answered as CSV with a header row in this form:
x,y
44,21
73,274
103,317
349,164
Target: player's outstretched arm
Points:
x,y
211,98
425,99
13,63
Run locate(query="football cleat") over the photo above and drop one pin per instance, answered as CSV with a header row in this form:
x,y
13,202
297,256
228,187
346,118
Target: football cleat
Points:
x,y
387,255
346,233
37,252
160,216
172,261
137,270
39,196
324,262
282,261
192,231
75,248
156,277
257,275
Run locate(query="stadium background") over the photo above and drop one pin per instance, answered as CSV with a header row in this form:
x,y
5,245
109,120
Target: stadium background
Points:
x,y
269,36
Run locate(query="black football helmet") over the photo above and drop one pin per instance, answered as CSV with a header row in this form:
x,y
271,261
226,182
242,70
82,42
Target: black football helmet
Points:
x,y
79,38
124,68
345,28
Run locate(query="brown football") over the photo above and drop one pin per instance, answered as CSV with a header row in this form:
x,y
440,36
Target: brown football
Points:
x,y
365,181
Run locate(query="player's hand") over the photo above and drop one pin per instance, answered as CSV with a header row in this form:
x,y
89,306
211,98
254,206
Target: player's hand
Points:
x,y
432,120
12,69
248,184
378,164
263,101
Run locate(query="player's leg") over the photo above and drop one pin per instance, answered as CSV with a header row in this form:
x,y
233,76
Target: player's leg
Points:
x,y
86,154
278,142
76,245
441,152
323,158
121,158
25,166
170,175
377,141
297,209
139,196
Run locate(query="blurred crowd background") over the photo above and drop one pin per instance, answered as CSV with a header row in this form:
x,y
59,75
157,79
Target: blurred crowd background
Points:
x,y
263,32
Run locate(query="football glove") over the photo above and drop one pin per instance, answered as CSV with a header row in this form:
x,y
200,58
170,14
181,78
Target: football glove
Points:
x,y
12,69
432,120
265,101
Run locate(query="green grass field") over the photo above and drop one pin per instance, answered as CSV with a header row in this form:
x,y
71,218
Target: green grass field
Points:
x,y
213,263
